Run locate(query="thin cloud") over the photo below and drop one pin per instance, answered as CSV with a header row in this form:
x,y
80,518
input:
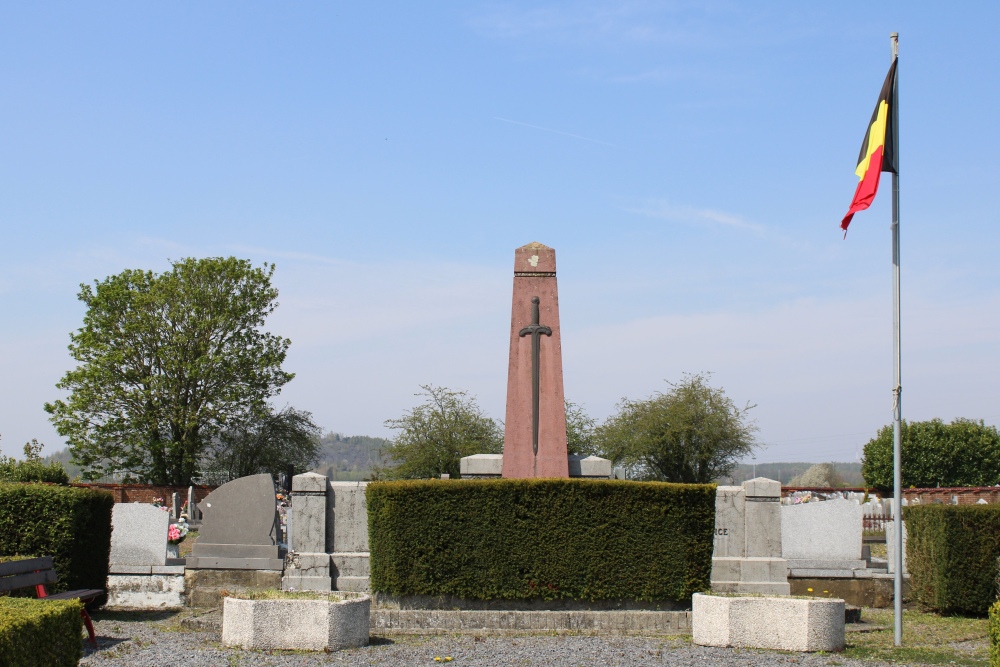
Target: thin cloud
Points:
x,y
694,215
547,129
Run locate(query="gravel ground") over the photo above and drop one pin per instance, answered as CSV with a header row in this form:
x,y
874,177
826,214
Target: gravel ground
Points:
x,y
156,640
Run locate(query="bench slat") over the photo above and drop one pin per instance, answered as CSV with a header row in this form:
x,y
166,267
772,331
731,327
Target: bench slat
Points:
x,y
27,580
27,565
83,594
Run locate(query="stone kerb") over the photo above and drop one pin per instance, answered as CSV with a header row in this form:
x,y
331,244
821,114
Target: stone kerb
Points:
x,y
339,622
781,623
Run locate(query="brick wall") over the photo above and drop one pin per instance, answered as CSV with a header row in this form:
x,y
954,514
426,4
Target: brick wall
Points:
x,y
146,493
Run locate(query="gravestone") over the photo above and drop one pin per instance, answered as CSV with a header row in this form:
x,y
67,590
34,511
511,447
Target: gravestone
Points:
x,y
138,536
822,539
747,552
308,562
239,527
139,576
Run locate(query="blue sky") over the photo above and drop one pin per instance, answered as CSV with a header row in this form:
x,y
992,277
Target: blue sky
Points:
x,y
690,163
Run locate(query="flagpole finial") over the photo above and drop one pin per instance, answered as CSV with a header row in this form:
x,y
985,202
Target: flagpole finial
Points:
x,y
894,38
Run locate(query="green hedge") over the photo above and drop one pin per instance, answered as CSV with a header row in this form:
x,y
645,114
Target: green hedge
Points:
x,y
71,524
995,635
951,554
541,539
35,633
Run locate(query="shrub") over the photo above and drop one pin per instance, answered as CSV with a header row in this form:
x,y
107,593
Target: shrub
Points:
x,y
951,554
73,525
32,468
995,635
35,633
541,539
962,453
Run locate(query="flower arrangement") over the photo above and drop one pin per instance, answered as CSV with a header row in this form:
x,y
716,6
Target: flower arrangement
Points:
x,y
161,503
176,532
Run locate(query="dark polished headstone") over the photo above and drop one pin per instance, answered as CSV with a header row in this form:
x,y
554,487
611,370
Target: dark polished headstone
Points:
x,y
239,527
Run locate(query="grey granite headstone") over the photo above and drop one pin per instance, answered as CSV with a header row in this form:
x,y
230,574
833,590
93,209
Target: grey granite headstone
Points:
x,y
138,535
239,527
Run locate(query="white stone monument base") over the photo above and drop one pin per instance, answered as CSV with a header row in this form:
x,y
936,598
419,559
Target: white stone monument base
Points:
x,y
782,623
340,622
763,576
491,465
146,591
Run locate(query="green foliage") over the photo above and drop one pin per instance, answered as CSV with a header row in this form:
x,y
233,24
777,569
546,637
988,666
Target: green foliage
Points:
x,y
692,434
951,554
71,524
435,435
994,633
36,633
962,453
350,457
33,468
521,539
579,430
263,442
165,362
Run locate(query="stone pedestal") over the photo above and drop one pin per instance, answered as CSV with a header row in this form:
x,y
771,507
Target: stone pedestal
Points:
x,y
487,466
747,555
307,566
534,441
347,536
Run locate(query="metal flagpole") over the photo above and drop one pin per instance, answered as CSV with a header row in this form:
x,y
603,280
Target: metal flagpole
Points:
x,y
897,520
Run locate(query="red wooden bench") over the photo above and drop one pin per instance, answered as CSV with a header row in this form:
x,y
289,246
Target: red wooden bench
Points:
x,y
38,572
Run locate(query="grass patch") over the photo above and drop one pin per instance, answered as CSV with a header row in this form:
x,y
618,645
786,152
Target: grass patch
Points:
x,y
928,639
184,548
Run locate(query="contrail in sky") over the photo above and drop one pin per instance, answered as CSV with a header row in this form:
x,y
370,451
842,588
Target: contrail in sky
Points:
x,y
546,129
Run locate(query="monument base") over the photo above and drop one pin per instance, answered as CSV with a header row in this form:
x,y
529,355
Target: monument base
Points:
x,y
766,576
236,557
489,466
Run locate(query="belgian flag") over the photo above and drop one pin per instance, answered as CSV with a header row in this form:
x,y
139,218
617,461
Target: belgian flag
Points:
x,y
878,150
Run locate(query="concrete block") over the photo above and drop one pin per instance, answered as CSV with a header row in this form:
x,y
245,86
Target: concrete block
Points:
x,y
354,584
828,530
761,487
814,564
589,466
222,563
298,582
340,622
138,534
156,591
781,623
309,482
347,517
350,564
481,464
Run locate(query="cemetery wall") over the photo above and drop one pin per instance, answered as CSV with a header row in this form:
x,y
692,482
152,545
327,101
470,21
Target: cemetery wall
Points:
x,y
541,539
146,493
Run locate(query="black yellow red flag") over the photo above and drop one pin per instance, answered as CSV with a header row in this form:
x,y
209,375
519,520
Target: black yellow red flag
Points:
x,y
878,150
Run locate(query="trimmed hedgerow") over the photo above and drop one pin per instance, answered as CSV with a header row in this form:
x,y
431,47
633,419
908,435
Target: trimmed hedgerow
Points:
x,y
951,554
73,525
541,539
36,633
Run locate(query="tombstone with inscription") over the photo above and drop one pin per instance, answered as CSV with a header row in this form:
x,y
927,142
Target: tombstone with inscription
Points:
x,y
239,527
747,555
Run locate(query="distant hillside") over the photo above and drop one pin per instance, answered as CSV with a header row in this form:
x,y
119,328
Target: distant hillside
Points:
x,y
850,473
349,458
63,456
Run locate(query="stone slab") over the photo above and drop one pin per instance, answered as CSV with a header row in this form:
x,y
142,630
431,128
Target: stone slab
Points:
x,y
242,511
220,563
168,569
439,621
730,522
828,530
355,584
309,482
589,466
314,625
481,464
781,623
308,522
138,534
815,564
203,549
296,582
822,574
355,564
156,591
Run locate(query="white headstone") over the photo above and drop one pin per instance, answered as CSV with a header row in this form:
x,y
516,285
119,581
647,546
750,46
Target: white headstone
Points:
x,y
138,535
828,530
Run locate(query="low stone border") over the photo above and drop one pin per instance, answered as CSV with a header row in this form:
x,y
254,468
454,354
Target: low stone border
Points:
x,y
342,621
783,623
433,621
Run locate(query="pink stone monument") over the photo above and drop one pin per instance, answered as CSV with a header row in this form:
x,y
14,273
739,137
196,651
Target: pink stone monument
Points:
x,y
534,440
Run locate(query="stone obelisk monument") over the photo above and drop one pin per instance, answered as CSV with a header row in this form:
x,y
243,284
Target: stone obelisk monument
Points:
x,y
534,441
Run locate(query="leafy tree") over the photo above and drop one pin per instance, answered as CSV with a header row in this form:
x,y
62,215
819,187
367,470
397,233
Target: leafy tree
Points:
x,y
820,475
434,435
32,468
579,430
263,442
963,453
693,433
165,362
